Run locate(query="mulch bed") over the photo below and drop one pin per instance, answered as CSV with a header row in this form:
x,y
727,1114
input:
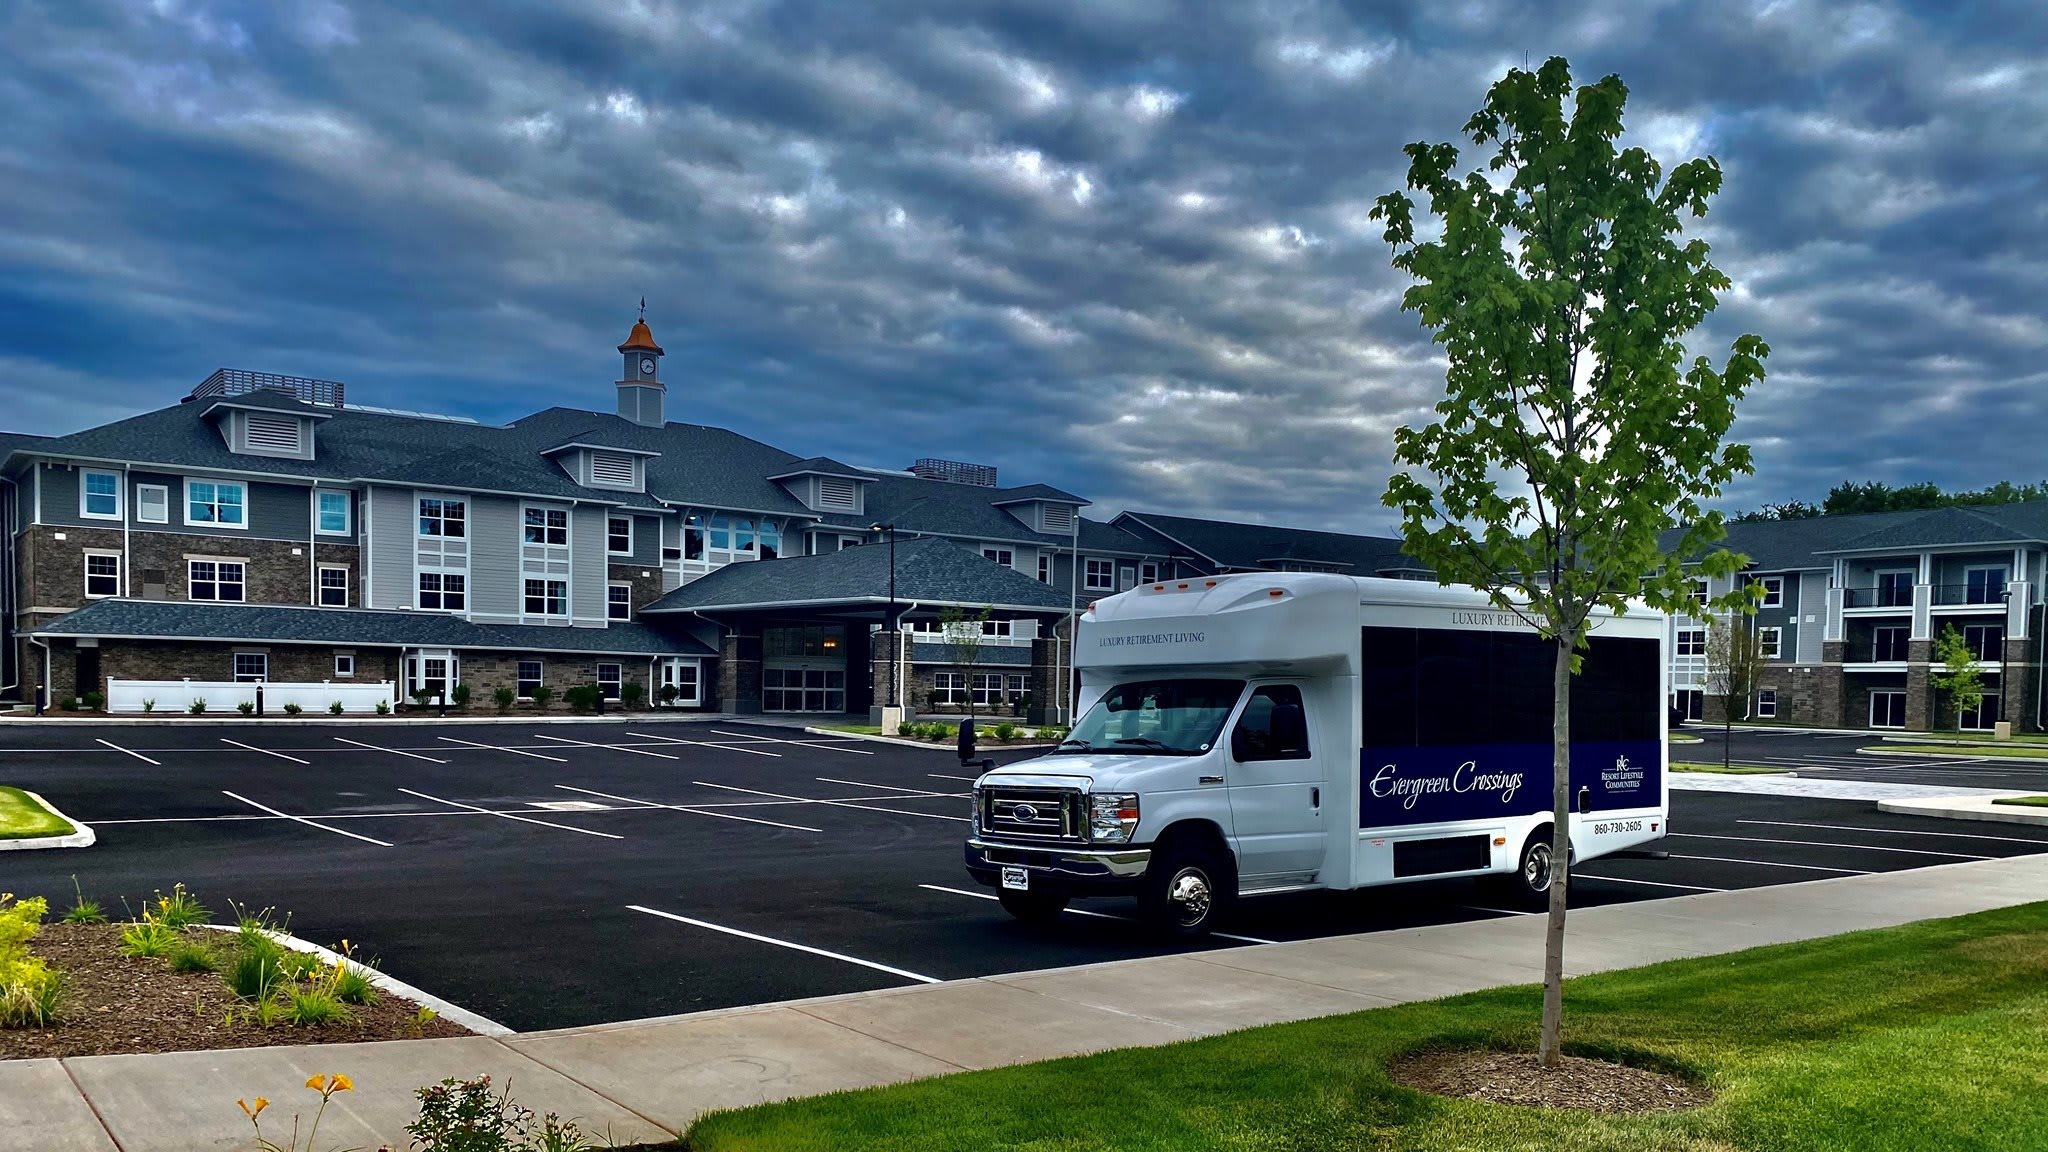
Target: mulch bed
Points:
x,y
1517,1078
115,1004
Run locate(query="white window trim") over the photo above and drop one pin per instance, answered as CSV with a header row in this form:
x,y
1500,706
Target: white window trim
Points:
x,y
120,574
1774,591
1767,704
338,658
420,498
348,516
234,666
1678,642
443,573
319,589
602,683
119,502
187,504
538,680
568,598
608,599
161,490
988,548
1774,650
216,561
1088,574
630,540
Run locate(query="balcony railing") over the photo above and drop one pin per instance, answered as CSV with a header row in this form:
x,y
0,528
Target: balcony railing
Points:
x,y
1969,593
1883,596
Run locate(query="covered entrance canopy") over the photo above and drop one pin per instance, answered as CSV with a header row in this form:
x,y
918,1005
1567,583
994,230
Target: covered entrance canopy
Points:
x,y
815,633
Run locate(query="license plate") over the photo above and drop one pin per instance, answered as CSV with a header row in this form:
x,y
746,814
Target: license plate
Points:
x,y
1017,878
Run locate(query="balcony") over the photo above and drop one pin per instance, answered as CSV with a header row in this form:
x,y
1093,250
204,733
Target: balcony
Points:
x,y
1969,595
1882,596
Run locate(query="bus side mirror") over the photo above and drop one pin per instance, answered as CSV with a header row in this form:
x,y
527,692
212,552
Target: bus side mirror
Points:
x,y
1585,800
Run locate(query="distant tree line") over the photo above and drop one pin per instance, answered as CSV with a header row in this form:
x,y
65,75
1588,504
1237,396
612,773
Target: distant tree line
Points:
x,y
1877,496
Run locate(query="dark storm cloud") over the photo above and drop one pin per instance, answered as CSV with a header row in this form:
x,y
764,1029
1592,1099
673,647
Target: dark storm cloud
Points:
x,y
1121,246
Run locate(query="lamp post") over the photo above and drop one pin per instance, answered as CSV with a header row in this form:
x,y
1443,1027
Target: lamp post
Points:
x,y
2004,598
889,621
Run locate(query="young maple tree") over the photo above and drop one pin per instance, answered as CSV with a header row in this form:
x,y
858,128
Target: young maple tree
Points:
x,y
1573,431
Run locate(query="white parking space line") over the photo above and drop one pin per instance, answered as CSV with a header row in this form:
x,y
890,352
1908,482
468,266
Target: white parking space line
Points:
x,y
799,743
126,752
1776,864
303,820
1577,875
393,751
833,803
346,815
510,816
792,945
265,751
1829,844
2041,843
684,808
1087,912
705,744
943,776
1497,911
886,787
616,747
1842,736
495,748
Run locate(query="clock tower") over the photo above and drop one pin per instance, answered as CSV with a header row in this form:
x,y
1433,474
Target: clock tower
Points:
x,y
640,388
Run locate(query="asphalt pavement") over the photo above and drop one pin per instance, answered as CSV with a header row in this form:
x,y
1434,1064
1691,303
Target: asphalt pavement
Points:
x,y
1865,756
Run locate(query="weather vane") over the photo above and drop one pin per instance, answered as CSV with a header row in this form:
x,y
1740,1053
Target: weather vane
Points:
x,y
643,307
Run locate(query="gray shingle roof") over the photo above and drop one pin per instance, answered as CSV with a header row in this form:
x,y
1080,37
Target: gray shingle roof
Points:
x,y
267,400
928,571
1812,543
1258,545
989,655
281,624
1029,492
823,466
699,465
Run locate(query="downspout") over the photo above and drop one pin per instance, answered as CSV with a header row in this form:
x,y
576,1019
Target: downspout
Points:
x,y
1073,626
127,515
13,660
313,544
42,689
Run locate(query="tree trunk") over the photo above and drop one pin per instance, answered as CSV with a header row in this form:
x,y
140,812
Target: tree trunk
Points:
x,y
1549,1048
1727,728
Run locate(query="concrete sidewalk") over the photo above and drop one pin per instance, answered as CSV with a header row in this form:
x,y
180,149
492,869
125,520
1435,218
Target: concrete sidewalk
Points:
x,y
639,1081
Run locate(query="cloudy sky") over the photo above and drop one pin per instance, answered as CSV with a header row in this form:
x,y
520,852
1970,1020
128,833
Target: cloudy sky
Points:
x,y
1119,245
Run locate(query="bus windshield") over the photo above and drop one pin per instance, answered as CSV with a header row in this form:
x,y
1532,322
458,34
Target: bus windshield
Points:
x,y
1159,717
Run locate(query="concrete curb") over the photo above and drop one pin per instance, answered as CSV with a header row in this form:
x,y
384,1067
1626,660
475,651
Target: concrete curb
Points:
x,y
82,838
479,1024
377,721
900,742
1961,753
1968,808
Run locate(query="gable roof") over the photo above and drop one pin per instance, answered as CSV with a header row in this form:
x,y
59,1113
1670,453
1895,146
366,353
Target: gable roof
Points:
x,y
267,400
823,466
1044,492
929,571
1813,543
1257,546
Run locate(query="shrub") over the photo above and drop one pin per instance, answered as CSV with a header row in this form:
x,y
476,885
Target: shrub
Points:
x,y
148,937
421,698
180,910
584,697
246,707
83,911
20,920
197,707
257,971
937,731
31,995
630,693
292,708
301,965
334,708
459,695
192,956
68,705
95,700
149,705
312,1006
383,707
504,698
466,1116
668,693
1004,731
351,984
542,696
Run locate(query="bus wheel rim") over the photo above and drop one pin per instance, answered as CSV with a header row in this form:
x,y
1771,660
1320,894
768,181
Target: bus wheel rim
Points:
x,y
1190,896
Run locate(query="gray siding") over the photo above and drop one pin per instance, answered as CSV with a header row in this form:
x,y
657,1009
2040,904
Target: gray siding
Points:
x,y
1813,612
390,547
587,565
646,541
273,511
25,497
494,534
1784,617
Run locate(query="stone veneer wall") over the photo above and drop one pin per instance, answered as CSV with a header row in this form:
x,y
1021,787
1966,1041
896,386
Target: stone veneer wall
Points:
x,y
52,571
646,588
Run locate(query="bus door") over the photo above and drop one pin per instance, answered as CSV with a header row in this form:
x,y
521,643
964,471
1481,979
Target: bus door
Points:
x,y
1275,788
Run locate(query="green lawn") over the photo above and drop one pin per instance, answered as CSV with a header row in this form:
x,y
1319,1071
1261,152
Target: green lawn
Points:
x,y
22,818
1971,750
1931,1036
2023,801
1731,770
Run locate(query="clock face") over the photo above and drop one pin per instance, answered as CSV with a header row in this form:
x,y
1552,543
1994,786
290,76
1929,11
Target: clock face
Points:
x,y
647,365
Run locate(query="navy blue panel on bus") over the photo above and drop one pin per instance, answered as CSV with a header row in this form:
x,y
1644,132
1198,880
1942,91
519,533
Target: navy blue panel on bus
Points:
x,y
1457,725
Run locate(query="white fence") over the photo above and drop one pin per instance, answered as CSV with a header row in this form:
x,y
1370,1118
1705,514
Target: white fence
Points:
x,y
176,696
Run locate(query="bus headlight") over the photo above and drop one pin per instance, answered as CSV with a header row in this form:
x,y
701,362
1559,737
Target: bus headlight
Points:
x,y
1112,817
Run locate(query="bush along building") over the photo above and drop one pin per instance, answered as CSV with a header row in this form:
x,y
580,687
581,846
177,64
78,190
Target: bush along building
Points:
x,y
266,529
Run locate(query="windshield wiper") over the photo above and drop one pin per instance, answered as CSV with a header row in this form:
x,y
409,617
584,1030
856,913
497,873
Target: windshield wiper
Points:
x,y
1146,742
1073,746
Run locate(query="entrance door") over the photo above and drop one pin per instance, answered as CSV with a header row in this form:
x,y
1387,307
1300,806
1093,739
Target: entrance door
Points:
x,y
682,675
1275,789
1887,708
431,671
87,677
1689,703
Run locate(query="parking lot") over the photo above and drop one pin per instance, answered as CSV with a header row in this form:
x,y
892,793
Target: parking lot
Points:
x,y
1863,756
549,875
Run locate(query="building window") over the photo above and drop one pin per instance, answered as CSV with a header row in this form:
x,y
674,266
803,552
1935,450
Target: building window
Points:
x,y
1767,704
99,496
528,679
693,537
152,504
1701,592
218,503
1100,575
1888,642
443,591
547,597
1692,642
1984,640
1148,573
102,574
331,516
949,688
216,580
988,688
252,667
1894,589
1768,642
609,679
1003,556
439,517
344,665
547,526
1774,591
618,535
1045,568
333,586
846,542
618,602
1887,708
1984,717
769,545
1984,585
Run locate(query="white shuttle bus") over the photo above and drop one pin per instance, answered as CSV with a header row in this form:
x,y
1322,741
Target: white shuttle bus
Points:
x,y
1261,732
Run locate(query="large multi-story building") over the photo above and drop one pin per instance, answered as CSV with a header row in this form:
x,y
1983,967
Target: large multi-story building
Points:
x,y
265,528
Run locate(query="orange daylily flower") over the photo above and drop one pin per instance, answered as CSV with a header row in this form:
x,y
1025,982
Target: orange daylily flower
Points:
x,y
317,1083
262,1102
342,1083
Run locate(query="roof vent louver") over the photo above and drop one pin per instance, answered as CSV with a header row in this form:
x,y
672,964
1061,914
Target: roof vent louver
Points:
x,y
837,493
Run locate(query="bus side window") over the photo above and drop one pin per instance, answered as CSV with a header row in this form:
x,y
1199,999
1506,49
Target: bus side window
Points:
x,y
1274,726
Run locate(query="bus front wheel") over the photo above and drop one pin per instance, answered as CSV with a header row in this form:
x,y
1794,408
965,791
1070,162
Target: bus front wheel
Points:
x,y
1186,889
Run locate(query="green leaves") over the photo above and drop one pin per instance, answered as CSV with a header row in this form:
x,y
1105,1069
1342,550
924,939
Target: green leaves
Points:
x,y
1574,429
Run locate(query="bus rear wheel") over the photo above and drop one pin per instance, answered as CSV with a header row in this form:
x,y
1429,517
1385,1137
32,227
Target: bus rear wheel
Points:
x,y
1032,907
1535,871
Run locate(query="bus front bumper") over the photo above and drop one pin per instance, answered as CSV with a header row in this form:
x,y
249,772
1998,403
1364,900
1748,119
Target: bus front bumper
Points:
x,y
1068,871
